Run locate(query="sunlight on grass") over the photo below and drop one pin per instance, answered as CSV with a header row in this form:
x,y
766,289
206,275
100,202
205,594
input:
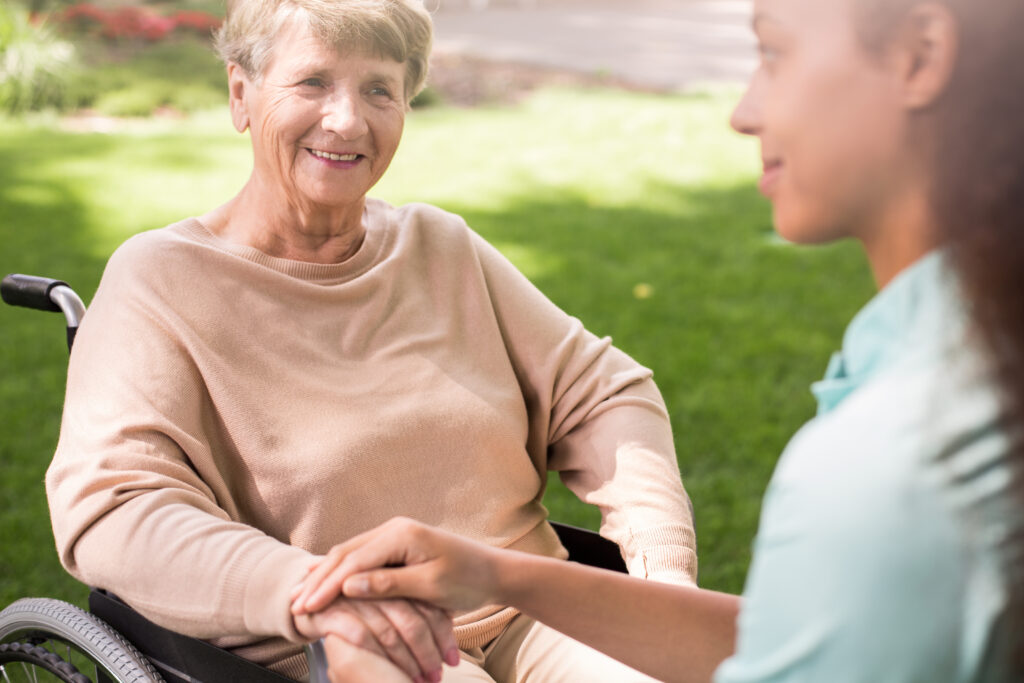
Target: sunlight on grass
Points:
x,y
598,146
590,193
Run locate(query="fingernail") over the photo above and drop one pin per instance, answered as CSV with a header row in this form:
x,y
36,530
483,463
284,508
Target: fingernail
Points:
x,y
356,586
452,657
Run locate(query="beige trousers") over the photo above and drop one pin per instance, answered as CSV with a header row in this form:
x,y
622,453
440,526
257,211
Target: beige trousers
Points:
x,y
530,652
525,652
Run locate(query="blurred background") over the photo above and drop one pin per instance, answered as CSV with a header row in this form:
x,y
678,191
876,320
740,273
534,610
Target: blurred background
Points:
x,y
587,139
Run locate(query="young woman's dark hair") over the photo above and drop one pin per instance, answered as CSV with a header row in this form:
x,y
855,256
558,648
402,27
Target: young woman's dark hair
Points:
x,y
976,133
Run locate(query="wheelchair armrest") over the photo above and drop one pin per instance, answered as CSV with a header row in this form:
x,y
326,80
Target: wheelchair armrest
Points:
x,y
178,658
588,547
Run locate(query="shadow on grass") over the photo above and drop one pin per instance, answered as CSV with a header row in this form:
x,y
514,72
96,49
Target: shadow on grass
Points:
x,y
42,232
734,323
693,285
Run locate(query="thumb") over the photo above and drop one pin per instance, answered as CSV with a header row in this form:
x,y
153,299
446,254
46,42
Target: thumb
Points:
x,y
392,582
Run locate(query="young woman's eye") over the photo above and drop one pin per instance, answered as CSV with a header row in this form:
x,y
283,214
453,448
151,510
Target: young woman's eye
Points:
x,y
769,55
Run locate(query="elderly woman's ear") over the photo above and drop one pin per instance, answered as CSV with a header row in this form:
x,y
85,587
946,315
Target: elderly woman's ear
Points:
x,y
238,85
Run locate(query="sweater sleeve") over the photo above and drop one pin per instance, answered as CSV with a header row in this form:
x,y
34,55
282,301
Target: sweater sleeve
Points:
x,y
598,419
139,506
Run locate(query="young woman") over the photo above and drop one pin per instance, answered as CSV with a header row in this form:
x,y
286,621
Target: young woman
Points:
x,y
891,544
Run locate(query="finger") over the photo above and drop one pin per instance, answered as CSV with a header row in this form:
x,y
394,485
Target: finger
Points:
x,y
391,639
388,544
297,588
442,630
417,632
319,581
325,583
346,623
394,582
315,577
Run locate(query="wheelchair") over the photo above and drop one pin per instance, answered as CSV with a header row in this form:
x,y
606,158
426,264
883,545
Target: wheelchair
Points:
x,y
43,639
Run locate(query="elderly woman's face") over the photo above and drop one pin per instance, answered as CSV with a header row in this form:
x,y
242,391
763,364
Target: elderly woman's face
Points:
x,y
324,125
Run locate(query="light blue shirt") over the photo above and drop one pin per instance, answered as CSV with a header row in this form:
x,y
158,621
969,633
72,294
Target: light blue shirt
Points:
x,y
881,552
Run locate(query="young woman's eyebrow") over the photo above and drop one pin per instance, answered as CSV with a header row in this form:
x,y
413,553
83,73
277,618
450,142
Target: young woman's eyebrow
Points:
x,y
763,19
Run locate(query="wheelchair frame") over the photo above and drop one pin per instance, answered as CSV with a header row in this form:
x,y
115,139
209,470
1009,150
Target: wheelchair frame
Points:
x,y
119,644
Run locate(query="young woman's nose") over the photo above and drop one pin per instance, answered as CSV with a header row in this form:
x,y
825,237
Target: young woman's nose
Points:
x,y
746,117
343,116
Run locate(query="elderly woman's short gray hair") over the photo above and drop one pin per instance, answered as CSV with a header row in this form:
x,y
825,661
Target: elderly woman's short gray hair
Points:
x,y
398,29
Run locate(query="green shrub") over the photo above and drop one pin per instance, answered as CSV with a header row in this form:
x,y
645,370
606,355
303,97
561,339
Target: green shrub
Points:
x,y
428,97
140,100
34,63
181,74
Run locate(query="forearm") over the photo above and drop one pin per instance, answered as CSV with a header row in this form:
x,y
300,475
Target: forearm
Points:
x,y
671,633
189,570
622,459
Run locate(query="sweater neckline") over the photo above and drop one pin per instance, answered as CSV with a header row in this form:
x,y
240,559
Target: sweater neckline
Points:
x,y
378,235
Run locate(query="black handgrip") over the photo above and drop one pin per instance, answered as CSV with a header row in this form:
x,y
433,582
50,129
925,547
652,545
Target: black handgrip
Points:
x,y
29,291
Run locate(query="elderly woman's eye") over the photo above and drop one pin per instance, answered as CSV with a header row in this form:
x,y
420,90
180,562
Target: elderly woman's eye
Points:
x,y
380,91
312,82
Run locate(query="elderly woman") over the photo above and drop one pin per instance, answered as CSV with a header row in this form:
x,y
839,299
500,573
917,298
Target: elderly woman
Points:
x,y
260,383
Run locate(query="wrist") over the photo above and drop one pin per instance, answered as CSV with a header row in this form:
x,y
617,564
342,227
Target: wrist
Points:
x,y
506,569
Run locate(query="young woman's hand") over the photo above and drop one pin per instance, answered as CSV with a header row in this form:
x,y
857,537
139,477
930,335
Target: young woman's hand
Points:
x,y
404,558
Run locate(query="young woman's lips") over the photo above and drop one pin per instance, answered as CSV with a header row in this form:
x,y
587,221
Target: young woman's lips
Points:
x,y
336,159
770,177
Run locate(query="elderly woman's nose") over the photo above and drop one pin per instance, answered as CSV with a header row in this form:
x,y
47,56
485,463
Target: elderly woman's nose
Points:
x,y
343,115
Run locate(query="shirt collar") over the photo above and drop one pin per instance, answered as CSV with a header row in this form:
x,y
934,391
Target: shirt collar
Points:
x,y
916,311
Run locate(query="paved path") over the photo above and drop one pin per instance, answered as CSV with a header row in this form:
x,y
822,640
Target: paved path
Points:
x,y
664,44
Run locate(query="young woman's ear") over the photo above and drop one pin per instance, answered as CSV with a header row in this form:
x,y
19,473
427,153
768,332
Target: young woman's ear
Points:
x,y
238,86
926,47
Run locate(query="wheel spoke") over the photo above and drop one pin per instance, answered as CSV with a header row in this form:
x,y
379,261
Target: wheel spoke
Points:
x,y
3,670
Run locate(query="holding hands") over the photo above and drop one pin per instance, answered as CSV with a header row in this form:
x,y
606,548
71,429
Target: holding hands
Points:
x,y
404,558
379,640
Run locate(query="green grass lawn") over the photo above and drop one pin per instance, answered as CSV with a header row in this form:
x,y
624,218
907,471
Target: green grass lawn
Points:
x,y
591,194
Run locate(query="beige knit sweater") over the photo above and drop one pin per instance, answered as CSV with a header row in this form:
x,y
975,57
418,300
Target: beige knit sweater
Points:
x,y
230,414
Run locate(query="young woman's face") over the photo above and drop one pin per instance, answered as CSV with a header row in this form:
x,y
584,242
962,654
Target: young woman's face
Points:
x,y
829,119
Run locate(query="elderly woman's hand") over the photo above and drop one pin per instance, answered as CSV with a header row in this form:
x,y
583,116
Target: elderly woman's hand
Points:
x,y
350,664
416,638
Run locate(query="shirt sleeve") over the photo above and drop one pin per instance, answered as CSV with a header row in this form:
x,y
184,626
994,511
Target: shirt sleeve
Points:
x,y
598,419
851,579
138,504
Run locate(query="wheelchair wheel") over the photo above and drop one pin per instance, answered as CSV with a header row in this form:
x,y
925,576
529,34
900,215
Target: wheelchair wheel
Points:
x,y
49,640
